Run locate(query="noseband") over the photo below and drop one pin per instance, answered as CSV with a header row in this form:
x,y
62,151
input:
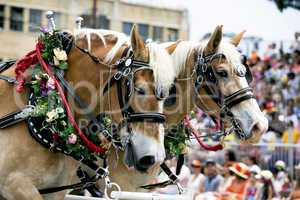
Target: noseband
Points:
x,y
205,77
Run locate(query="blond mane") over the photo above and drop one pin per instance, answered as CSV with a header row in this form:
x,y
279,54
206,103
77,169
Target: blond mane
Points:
x,y
160,60
185,49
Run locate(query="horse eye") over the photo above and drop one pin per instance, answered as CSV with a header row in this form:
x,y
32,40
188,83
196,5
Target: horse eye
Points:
x,y
140,90
222,74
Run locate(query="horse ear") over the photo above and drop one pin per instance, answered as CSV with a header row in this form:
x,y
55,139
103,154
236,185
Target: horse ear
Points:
x,y
137,41
235,40
170,49
214,41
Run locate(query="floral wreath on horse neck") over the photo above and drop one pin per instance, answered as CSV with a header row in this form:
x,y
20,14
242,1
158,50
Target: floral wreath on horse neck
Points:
x,y
48,103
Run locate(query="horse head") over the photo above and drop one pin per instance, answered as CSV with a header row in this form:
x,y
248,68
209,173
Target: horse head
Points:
x,y
216,78
128,91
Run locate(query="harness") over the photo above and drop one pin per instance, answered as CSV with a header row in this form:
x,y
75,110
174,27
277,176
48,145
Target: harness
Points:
x,y
206,77
126,67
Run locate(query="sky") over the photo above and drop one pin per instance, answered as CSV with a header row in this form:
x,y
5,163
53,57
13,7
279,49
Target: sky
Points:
x,y
258,17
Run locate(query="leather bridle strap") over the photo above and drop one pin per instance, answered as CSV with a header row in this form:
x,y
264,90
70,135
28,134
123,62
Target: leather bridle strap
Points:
x,y
238,97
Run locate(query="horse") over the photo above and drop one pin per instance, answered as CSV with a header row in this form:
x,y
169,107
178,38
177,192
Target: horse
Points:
x,y
213,76
26,166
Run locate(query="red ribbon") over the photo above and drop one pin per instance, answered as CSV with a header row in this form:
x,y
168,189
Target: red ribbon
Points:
x,y
33,58
91,146
187,124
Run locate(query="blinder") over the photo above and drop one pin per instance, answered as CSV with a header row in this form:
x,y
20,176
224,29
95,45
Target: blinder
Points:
x,y
249,76
125,75
171,99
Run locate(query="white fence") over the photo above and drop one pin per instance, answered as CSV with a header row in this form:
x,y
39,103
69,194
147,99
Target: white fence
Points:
x,y
131,196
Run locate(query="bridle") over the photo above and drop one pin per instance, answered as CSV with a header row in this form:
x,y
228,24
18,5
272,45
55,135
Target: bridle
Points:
x,y
206,77
126,67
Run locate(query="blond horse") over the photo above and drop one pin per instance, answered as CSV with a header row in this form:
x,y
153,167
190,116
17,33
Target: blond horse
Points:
x,y
230,75
26,166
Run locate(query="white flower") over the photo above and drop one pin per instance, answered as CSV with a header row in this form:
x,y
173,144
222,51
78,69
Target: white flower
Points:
x,y
52,115
60,54
56,62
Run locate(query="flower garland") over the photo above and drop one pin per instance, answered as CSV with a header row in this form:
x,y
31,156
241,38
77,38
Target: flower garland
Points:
x,y
49,106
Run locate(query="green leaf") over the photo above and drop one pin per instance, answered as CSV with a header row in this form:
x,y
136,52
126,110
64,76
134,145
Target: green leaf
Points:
x,y
63,65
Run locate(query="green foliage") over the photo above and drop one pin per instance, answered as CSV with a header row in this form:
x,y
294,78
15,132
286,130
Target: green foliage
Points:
x,y
175,142
283,4
49,105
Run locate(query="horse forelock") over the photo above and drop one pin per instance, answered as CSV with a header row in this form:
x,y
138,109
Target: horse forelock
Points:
x,y
85,33
181,55
161,63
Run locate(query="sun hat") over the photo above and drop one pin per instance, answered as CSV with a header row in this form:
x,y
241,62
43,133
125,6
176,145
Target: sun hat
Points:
x,y
279,164
240,169
266,174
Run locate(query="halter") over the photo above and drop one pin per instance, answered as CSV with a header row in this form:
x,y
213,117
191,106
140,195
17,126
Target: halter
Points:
x,y
205,75
126,67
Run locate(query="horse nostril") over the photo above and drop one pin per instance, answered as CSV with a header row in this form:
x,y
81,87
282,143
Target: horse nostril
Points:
x,y
258,128
146,161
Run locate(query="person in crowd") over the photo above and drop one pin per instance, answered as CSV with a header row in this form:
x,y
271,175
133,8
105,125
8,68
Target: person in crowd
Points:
x,y
295,194
196,179
212,179
227,176
280,176
237,188
267,191
254,186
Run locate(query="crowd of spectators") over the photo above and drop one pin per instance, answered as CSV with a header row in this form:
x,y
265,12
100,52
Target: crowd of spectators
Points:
x,y
277,88
235,180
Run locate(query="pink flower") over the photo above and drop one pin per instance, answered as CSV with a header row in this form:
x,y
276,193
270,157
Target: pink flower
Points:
x,y
50,84
37,77
72,138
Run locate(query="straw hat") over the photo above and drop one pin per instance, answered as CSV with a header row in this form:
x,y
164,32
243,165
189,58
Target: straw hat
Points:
x,y
240,169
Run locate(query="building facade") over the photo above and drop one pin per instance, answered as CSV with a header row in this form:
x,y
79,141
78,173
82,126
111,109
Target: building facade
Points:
x,y
20,20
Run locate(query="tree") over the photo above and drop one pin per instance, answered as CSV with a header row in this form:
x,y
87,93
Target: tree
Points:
x,y
283,4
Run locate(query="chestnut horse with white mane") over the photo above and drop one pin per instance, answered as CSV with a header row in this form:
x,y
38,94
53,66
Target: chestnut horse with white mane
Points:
x,y
26,166
211,75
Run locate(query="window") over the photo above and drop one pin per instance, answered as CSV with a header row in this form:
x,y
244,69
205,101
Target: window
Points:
x,y
157,33
16,19
127,26
103,22
35,17
172,34
1,17
144,31
87,20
